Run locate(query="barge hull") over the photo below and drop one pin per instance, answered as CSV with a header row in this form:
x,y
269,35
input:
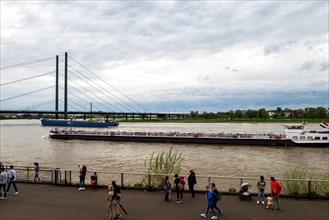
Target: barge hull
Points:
x,y
178,140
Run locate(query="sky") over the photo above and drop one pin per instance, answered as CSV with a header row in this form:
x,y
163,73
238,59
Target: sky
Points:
x,y
176,56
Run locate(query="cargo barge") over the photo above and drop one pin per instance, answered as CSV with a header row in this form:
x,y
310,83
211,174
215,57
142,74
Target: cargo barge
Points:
x,y
294,135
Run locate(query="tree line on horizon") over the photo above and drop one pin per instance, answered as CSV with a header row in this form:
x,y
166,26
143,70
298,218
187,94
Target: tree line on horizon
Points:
x,y
278,113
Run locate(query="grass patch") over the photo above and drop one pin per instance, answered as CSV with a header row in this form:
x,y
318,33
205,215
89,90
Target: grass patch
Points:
x,y
302,187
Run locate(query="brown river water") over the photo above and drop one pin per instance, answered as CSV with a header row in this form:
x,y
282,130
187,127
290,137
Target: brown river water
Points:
x,y
26,141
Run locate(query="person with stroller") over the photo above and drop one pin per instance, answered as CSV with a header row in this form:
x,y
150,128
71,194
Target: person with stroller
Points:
x,y
210,203
261,184
275,193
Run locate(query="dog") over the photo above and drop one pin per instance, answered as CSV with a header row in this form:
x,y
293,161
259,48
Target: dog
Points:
x,y
269,202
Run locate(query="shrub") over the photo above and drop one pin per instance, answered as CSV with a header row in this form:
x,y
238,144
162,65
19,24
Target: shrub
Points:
x,y
160,165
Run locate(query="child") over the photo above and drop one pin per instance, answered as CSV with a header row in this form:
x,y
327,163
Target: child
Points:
x,y
269,202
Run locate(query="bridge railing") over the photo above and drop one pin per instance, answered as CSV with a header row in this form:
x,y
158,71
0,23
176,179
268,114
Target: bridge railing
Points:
x,y
308,188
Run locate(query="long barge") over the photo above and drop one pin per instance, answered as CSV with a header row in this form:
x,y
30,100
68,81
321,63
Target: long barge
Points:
x,y
289,138
77,123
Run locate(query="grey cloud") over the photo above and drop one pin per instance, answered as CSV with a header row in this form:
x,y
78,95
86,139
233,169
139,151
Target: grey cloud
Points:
x,y
307,65
276,48
323,66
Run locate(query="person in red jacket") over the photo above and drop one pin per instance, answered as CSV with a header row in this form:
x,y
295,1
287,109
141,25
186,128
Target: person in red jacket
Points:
x,y
275,193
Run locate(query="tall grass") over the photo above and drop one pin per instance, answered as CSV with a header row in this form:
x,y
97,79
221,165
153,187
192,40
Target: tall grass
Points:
x,y
160,164
301,187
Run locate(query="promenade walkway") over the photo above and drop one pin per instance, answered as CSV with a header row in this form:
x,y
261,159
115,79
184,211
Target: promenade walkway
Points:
x,y
48,202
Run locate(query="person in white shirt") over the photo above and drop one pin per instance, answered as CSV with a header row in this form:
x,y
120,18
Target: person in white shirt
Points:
x,y
12,179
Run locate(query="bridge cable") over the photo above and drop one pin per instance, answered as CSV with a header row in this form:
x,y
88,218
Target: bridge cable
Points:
x,y
3,100
109,84
97,88
100,92
26,63
3,84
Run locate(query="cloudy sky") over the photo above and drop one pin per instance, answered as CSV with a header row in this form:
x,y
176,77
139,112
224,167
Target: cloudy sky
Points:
x,y
172,55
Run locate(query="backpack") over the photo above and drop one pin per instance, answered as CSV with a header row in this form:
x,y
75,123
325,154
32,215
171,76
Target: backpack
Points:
x,y
217,195
182,180
181,183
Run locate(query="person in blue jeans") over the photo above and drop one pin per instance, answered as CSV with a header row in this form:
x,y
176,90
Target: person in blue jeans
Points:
x,y
3,182
12,179
261,184
83,172
210,203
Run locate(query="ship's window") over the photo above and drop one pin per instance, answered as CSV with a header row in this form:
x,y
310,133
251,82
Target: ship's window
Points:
x,y
316,138
302,137
309,138
294,137
324,138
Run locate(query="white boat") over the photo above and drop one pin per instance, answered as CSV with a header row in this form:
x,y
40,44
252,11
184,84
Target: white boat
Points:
x,y
300,136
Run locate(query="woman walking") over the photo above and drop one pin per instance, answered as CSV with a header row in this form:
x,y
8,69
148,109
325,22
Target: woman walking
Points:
x,y
36,172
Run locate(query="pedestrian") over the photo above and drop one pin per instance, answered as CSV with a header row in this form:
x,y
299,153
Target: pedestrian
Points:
x,y
116,197
83,172
217,197
180,183
111,203
12,179
261,184
191,180
36,172
167,188
275,193
210,203
3,182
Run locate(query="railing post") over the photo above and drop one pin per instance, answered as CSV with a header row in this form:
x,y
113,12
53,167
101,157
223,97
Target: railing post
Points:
x,y
209,181
122,180
65,182
149,180
309,189
241,181
70,177
27,174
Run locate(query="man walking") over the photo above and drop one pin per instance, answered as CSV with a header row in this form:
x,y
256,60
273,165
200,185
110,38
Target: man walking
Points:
x,y
275,193
12,179
191,179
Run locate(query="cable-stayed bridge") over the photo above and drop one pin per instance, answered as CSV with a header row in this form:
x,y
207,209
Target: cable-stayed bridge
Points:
x,y
61,86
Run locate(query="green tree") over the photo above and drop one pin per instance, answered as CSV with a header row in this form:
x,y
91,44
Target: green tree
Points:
x,y
238,113
251,113
321,112
262,113
231,114
310,112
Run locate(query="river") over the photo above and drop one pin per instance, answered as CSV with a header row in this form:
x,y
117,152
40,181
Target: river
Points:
x,y
26,141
